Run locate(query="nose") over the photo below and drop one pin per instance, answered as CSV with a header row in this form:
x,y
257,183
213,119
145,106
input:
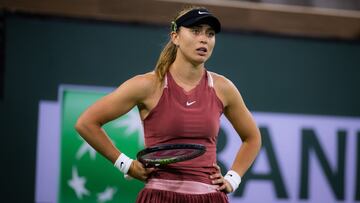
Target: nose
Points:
x,y
203,41
203,38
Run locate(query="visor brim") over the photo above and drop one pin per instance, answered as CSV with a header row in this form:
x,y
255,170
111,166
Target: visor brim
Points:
x,y
208,20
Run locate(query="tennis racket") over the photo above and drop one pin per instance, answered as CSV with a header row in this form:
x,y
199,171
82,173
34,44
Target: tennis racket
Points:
x,y
161,155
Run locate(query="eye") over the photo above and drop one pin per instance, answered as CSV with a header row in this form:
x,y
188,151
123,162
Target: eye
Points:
x,y
211,34
196,30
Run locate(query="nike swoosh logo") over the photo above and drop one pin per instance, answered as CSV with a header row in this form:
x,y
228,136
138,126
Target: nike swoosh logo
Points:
x,y
190,103
203,12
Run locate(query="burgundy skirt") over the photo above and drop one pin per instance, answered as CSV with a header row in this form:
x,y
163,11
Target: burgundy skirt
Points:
x,y
161,196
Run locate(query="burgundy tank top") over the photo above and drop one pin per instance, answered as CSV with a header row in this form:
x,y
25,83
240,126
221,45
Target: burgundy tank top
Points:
x,y
186,117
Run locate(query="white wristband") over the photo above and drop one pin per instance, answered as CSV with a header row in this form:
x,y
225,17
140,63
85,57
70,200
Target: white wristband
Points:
x,y
233,178
123,163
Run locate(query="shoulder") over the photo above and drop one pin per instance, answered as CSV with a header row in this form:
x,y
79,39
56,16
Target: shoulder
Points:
x,y
142,85
224,87
145,81
222,83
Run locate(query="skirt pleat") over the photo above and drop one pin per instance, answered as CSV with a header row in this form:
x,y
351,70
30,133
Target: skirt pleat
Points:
x,y
161,196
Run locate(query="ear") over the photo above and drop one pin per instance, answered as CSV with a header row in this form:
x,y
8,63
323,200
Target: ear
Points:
x,y
174,38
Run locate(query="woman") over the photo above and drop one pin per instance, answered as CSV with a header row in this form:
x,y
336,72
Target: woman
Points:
x,y
179,102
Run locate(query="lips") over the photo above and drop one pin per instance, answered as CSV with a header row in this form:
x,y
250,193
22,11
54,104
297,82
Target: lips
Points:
x,y
202,50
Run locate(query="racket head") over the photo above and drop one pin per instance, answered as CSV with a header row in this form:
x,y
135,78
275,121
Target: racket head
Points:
x,y
164,154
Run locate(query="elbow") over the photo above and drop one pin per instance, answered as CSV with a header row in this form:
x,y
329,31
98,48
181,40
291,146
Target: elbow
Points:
x,y
86,127
258,141
81,126
254,141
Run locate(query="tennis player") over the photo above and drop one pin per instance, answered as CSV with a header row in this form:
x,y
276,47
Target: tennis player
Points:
x,y
179,102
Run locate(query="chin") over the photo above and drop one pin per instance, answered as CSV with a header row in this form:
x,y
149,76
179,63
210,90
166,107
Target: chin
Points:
x,y
200,60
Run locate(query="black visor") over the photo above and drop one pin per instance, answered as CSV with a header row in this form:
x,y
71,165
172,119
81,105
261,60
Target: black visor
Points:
x,y
197,17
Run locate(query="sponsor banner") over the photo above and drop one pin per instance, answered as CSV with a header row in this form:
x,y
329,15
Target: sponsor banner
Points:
x,y
84,174
303,158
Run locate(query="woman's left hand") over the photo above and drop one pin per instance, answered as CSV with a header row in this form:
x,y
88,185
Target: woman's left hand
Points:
x,y
218,179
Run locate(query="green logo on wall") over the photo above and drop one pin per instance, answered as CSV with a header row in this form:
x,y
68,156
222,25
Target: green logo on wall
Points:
x,y
85,175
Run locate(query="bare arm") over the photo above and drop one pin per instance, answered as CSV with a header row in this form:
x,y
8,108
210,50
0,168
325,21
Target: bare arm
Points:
x,y
113,105
244,124
242,121
89,125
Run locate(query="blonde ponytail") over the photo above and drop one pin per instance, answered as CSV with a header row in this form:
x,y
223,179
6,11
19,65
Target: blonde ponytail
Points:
x,y
167,57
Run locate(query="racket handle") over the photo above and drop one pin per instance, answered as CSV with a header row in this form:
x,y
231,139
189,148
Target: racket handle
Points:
x,y
148,165
127,177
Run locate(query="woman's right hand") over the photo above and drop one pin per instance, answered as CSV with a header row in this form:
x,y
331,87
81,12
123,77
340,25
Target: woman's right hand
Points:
x,y
137,170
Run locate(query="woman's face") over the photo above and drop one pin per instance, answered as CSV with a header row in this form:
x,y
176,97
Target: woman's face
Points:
x,y
195,44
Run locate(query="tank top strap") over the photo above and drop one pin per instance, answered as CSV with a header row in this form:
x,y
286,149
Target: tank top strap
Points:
x,y
210,79
165,81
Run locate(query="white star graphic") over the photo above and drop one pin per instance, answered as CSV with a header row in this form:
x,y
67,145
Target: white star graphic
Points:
x,y
107,195
133,124
85,147
78,184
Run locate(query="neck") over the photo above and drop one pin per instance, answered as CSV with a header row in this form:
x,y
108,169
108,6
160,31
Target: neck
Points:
x,y
186,72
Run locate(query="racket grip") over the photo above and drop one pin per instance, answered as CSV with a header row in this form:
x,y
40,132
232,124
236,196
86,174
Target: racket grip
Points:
x,y
148,165
127,177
